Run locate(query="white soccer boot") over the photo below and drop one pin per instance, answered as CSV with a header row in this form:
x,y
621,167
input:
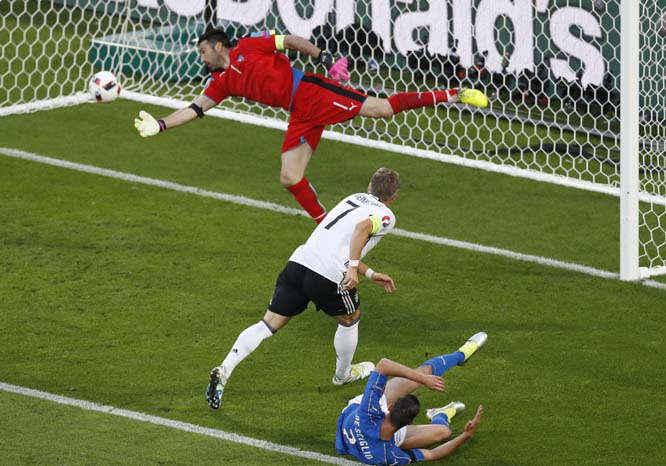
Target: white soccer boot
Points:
x,y
358,371
453,408
472,345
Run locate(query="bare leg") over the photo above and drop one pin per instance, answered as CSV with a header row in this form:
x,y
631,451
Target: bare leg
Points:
x,y
382,108
292,177
275,321
349,319
420,436
294,163
376,108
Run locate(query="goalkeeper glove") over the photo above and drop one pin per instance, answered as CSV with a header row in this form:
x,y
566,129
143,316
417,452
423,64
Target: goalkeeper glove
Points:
x,y
146,125
337,67
472,97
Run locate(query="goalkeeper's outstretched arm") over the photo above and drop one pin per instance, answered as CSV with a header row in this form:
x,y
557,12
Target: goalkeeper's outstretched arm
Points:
x,y
301,45
336,66
147,125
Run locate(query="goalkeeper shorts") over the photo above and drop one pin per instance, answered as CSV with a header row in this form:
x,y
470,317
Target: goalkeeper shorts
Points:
x,y
319,102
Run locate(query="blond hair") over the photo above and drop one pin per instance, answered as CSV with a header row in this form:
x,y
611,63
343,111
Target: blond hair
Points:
x,y
385,184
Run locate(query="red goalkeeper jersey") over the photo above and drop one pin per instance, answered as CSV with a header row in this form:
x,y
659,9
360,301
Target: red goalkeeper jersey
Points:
x,y
257,71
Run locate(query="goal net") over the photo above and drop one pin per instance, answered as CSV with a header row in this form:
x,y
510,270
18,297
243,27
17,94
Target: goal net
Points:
x,y
552,69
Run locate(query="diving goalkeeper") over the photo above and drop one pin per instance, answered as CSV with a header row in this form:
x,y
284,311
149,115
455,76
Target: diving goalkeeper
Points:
x,y
256,70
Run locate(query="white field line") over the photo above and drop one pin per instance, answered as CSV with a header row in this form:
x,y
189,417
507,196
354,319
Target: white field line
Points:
x,y
178,425
149,181
288,210
49,104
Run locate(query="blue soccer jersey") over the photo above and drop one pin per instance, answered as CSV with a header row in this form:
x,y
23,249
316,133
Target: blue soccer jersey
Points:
x,y
359,428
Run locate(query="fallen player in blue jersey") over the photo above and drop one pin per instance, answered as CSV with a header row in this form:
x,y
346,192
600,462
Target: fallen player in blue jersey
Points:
x,y
376,427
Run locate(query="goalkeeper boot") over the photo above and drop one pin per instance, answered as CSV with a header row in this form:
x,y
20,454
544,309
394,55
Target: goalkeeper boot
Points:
x,y
450,410
472,345
472,97
216,382
358,371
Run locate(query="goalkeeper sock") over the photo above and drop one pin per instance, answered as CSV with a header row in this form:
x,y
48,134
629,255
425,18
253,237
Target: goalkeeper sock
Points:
x,y
441,364
307,198
409,100
345,341
248,341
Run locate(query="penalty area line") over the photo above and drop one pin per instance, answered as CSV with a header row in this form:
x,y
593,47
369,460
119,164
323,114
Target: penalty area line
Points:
x,y
291,211
178,425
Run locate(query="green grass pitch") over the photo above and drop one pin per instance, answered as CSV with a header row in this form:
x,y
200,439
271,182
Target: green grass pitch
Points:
x,y
126,295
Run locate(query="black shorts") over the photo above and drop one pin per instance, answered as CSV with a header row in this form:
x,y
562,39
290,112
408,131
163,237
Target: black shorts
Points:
x,y
297,285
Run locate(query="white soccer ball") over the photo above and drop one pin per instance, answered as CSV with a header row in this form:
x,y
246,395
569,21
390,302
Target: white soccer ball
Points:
x,y
104,87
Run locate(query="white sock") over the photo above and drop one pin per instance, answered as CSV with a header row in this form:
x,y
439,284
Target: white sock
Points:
x,y
248,341
345,341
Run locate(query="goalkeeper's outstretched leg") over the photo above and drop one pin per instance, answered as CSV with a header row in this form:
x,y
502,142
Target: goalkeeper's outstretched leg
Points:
x,y
302,137
386,108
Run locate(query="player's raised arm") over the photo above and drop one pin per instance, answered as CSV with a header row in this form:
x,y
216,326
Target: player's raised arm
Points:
x,y
391,368
336,66
147,125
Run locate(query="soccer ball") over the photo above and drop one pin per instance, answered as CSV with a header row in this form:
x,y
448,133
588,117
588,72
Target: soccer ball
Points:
x,y
104,87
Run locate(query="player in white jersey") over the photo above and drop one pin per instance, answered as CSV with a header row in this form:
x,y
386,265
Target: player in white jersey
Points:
x,y
327,251
325,271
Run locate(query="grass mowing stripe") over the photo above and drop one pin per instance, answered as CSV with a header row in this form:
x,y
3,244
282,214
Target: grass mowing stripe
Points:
x,y
184,426
288,210
150,181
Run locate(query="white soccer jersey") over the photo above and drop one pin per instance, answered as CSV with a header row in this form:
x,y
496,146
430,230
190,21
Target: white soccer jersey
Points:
x,y
327,249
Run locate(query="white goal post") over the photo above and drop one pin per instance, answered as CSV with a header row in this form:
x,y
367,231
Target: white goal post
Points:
x,y
629,127
577,87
